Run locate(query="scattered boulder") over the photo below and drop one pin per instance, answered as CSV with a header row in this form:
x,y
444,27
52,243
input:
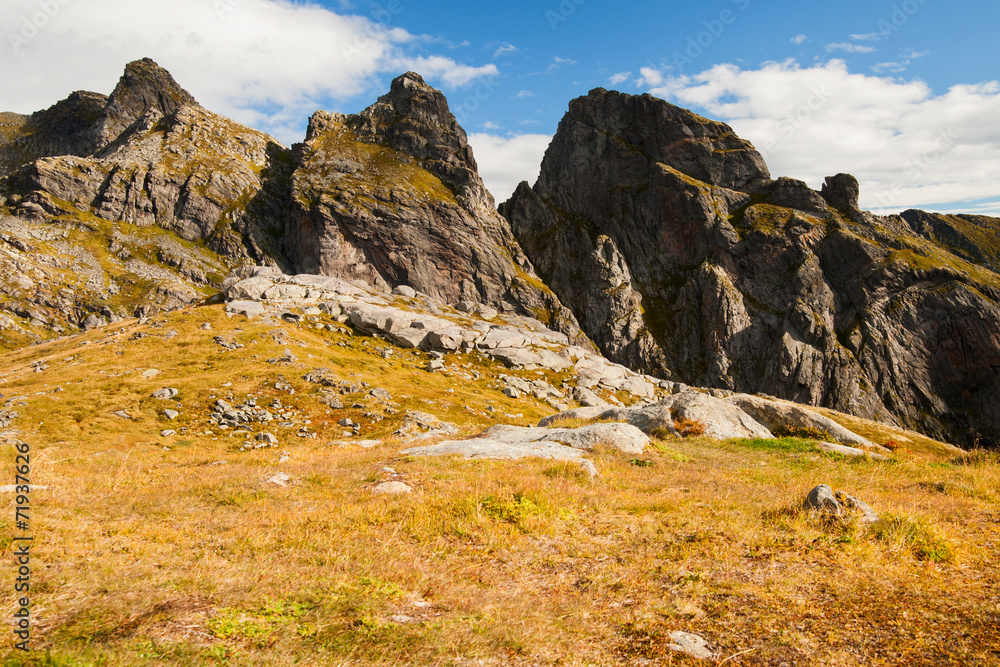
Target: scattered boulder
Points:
x,y
822,499
691,644
171,414
405,291
782,415
392,488
849,451
165,394
281,479
622,437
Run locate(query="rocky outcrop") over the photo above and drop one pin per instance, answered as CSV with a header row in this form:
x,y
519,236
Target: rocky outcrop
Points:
x,y
392,196
422,322
681,258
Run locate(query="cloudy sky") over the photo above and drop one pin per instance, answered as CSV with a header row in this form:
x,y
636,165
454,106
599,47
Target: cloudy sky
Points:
x,y
904,94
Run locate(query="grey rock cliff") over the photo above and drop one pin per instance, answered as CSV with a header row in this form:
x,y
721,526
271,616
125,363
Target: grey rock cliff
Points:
x,y
392,196
681,258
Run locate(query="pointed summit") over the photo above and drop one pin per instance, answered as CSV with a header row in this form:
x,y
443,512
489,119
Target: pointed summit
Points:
x,y
414,118
144,85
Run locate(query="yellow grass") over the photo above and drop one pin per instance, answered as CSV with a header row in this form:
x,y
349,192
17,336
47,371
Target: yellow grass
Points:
x,y
187,556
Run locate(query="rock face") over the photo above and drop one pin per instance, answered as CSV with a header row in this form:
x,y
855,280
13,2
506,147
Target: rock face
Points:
x,y
128,204
171,197
392,196
681,258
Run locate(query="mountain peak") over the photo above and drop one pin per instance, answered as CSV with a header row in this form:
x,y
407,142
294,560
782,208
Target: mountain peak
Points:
x,y
704,149
143,86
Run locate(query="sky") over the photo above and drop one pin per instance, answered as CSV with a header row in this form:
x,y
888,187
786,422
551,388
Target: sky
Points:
x,y
904,94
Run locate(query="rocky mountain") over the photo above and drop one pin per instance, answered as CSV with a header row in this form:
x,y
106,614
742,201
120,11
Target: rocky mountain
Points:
x,y
682,258
392,196
144,200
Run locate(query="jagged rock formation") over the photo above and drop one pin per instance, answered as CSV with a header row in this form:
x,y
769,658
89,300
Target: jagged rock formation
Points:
x,y
148,200
664,233
392,196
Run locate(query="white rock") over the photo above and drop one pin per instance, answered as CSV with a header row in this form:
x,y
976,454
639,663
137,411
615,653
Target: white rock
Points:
x,y
392,488
405,291
691,644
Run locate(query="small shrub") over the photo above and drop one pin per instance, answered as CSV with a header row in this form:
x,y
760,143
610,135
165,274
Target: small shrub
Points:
x,y
514,510
916,536
689,428
802,432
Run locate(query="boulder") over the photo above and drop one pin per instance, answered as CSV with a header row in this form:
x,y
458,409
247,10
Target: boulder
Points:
x,y
622,437
778,415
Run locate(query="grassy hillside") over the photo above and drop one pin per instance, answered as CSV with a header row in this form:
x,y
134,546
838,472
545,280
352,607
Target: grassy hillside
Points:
x,y
177,550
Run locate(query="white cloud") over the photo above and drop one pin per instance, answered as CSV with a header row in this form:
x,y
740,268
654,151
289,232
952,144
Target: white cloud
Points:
x,y
490,125
867,37
619,78
850,48
506,161
524,93
237,57
890,67
908,146
558,62
799,39
504,48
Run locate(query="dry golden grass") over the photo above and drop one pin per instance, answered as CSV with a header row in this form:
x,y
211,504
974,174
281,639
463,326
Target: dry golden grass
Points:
x,y
187,556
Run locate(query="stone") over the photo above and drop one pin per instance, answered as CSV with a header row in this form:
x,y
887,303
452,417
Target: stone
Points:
x,y
165,393
821,499
435,365
511,392
171,414
405,291
691,644
844,450
267,439
392,488
622,437
409,337
587,398
150,373
484,448
249,309
166,433
782,414
281,479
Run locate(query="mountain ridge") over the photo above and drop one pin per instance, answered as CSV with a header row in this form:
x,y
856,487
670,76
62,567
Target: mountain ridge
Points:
x,y
657,233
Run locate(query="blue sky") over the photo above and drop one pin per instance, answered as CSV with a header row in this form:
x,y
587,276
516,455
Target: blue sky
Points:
x,y
903,94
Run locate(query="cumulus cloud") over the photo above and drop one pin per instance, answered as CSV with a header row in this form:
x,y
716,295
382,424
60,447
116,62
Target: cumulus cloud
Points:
x,y
620,78
909,146
799,39
506,161
266,63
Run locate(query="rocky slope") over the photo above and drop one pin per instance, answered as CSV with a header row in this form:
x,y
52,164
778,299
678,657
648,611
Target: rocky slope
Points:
x,y
392,196
681,257
157,198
